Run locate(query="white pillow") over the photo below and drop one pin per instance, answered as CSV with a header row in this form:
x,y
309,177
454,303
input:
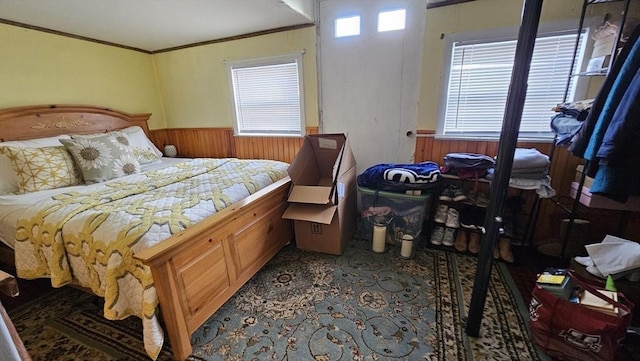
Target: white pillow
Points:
x,y
140,140
144,150
8,177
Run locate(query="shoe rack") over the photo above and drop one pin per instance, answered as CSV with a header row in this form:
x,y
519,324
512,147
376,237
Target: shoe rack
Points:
x,y
464,235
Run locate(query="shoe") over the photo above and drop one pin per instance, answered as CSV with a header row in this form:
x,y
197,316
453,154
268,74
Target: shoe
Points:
x,y
453,218
457,193
471,198
504,245
482,200
474,242
449,236
446,194
461,241
466,218
441,214
472,217
437,235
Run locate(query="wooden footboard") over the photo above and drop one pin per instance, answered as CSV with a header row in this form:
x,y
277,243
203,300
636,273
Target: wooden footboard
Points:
x,y
197,270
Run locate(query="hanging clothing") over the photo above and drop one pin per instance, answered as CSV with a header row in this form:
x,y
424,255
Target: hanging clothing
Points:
x,y
583,137
618,173
609,137
618,90
565,128
620,141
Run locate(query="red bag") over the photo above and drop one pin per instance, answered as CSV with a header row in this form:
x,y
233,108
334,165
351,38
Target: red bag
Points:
x,y
568,331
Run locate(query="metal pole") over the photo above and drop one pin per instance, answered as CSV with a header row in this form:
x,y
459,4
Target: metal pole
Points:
x,y
508,141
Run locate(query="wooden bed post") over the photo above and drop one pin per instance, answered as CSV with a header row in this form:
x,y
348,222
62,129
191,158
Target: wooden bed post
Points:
x,y
175,320
197,270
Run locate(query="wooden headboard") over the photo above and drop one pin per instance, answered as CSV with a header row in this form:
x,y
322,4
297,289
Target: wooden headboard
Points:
x,y
41,121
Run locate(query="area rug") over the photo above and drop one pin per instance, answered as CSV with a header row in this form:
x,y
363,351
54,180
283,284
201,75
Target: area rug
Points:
x,y
310,306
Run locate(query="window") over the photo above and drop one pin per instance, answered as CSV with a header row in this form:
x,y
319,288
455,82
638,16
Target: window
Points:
x,y
347,26
268,96
391,20
473,103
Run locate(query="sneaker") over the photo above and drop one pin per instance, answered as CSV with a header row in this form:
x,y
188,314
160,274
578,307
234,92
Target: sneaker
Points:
x,y
446,194
441,214
471,198
453,218
457,193
437,235
449,237
466,218
472,218
482,200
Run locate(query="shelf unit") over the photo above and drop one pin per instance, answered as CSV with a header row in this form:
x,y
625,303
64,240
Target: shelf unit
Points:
x,y
521,238
603,72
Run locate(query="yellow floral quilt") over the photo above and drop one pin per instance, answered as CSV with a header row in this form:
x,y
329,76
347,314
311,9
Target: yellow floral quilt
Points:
x,y
88,237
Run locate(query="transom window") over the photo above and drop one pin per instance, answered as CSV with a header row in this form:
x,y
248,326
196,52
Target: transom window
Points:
x,y
347,26
268,96
391,20
477,84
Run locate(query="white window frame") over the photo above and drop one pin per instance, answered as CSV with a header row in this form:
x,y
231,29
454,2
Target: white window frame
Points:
x,y
548,29
297,126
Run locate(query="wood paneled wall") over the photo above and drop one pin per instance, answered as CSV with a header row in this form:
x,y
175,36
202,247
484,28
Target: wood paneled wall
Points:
x,y
220,142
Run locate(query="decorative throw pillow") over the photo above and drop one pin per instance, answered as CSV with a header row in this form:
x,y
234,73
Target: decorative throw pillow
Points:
x,y
43,168
102,158
144,150
8,178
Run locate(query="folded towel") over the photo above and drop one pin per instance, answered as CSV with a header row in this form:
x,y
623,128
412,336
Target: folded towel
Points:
x,y
615,256
529,158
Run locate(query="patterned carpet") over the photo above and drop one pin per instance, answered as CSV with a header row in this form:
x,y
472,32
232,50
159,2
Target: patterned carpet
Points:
x,y
309,306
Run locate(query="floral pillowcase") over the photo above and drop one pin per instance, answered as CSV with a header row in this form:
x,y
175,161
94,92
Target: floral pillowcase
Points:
x,y
101,158
135,138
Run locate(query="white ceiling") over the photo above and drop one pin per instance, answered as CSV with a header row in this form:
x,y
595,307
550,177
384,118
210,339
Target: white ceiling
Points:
x,y
153,25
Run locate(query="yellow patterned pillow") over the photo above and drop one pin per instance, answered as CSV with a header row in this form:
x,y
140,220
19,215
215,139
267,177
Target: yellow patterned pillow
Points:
x,y
43,168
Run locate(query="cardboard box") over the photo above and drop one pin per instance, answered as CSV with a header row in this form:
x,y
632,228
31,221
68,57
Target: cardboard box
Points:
x,y
322,201
603,46
588,181
602,50
596,201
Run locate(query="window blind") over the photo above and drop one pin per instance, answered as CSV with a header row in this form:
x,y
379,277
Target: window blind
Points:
x,y
267,99
479,79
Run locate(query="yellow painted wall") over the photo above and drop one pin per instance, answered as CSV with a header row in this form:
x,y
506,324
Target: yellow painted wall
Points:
x,y
474,16
194,83
42,68
189,87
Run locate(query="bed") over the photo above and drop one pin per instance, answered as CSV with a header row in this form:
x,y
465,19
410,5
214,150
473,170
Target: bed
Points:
x,y
175,237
